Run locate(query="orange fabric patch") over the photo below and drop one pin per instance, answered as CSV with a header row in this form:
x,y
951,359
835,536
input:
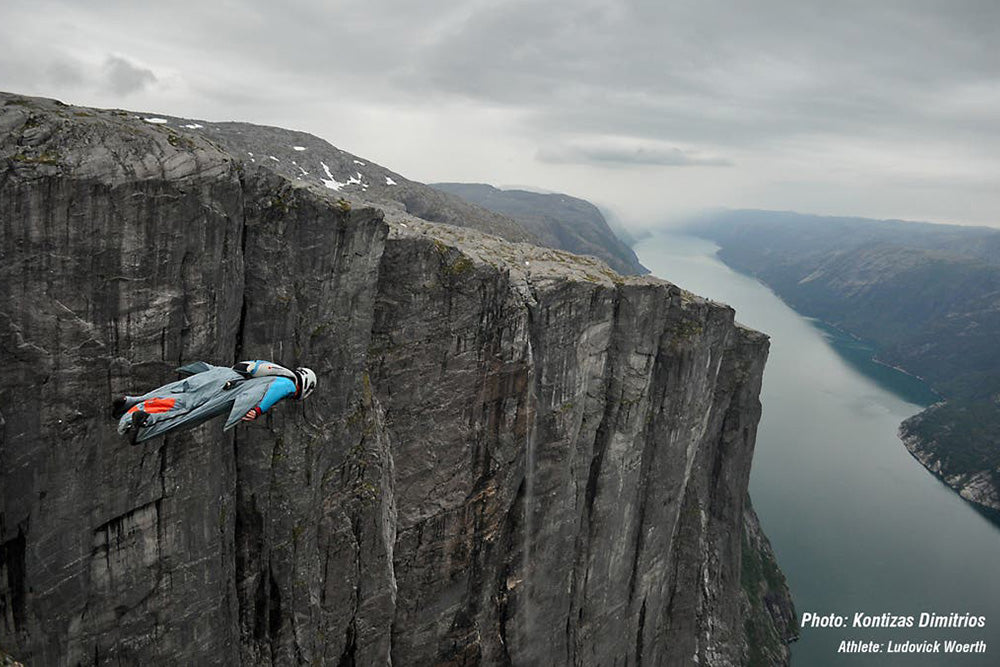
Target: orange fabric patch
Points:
x,y
154,405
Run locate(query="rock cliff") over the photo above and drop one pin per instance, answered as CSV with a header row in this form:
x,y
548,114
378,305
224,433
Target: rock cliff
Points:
x,y
769,618
515,455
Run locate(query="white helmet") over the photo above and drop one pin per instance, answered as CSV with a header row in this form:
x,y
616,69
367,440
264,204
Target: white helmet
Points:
x,y
307,382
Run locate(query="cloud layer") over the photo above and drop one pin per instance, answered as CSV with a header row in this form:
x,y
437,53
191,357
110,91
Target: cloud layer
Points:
x,y
884,109
125,78
627,153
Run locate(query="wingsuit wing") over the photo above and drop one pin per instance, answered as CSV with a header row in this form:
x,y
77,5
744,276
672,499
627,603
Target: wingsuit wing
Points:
x,y
194,369
250,393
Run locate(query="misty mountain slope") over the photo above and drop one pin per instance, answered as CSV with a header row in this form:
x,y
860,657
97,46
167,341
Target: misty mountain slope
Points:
x,y
312,162
927,295
557,220
514,455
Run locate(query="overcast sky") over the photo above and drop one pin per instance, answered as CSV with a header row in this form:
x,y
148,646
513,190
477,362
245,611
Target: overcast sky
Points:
x,y
653,108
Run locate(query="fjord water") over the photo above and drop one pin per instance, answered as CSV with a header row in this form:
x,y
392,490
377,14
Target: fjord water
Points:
x,y
857,524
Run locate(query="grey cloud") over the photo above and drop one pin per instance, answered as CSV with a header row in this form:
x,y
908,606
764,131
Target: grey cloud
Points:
x,y
685,71
767,78
721,70
612,154
65,73
125,78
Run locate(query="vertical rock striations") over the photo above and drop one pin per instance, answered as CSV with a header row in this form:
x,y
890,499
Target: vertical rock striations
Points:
x,y
128,250
515,456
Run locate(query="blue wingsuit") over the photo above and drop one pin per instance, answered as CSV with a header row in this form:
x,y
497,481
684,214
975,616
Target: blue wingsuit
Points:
x,y
206,392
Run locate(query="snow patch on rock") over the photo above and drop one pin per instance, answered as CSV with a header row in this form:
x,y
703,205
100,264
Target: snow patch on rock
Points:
x,y
331,182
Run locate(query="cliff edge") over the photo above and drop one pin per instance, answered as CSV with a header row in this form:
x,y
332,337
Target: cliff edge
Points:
x,y
515,455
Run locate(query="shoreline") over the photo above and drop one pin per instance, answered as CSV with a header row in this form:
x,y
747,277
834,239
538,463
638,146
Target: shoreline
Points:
x,y
925,455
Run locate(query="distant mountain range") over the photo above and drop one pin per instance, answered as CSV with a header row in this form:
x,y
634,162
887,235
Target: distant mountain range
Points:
x,y
927,295
557,220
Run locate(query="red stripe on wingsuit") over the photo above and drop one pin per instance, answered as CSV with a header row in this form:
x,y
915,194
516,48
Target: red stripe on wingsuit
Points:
x,y
153,405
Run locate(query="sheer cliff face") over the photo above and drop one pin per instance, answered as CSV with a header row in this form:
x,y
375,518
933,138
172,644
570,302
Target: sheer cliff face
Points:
x,y
127,250
570,457
514,455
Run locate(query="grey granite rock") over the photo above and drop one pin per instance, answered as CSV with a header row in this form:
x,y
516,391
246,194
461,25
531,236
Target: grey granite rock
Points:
x,y
769,619
515,455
